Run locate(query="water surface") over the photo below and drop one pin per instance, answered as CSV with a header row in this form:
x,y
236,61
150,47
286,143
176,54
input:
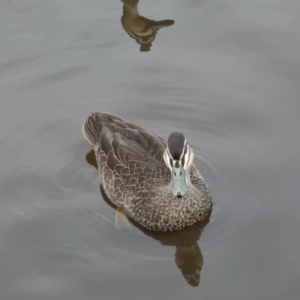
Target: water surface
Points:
x,y
226,73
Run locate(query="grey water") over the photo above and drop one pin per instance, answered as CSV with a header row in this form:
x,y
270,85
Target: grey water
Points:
x,y
226,73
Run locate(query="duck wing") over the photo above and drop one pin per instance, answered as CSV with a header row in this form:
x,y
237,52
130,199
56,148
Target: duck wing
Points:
x,y
125,151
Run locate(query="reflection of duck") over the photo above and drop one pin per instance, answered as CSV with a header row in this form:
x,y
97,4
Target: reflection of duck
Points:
x,y
189,260
134,168
188,256
139,28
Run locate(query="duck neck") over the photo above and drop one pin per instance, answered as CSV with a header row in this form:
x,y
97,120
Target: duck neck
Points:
x,y
130,10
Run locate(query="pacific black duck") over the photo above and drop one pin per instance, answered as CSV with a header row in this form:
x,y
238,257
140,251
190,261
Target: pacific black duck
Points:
x,y
154,181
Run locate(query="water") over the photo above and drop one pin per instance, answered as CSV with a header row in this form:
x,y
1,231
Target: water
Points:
x,y
226,73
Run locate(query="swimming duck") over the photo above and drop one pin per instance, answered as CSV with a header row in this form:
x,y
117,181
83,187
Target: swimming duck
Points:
x,y
153,180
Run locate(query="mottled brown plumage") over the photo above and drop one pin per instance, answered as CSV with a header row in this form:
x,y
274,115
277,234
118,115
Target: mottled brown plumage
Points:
x,y
135,177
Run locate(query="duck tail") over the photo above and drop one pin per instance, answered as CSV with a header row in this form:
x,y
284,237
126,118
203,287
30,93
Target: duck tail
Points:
x,y
91,127
94,124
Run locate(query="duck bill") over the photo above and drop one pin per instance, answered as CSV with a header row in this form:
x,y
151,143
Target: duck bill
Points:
x,y
178,182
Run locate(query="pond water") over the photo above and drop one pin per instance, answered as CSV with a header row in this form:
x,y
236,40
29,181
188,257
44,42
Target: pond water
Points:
x,y
226,73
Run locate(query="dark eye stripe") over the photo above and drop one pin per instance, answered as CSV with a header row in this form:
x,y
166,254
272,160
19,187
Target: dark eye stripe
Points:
x,y
170,159
183,160
187,157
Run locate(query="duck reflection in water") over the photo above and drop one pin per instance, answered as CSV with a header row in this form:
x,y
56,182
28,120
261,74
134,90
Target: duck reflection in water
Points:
x,y
188,256
140,28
